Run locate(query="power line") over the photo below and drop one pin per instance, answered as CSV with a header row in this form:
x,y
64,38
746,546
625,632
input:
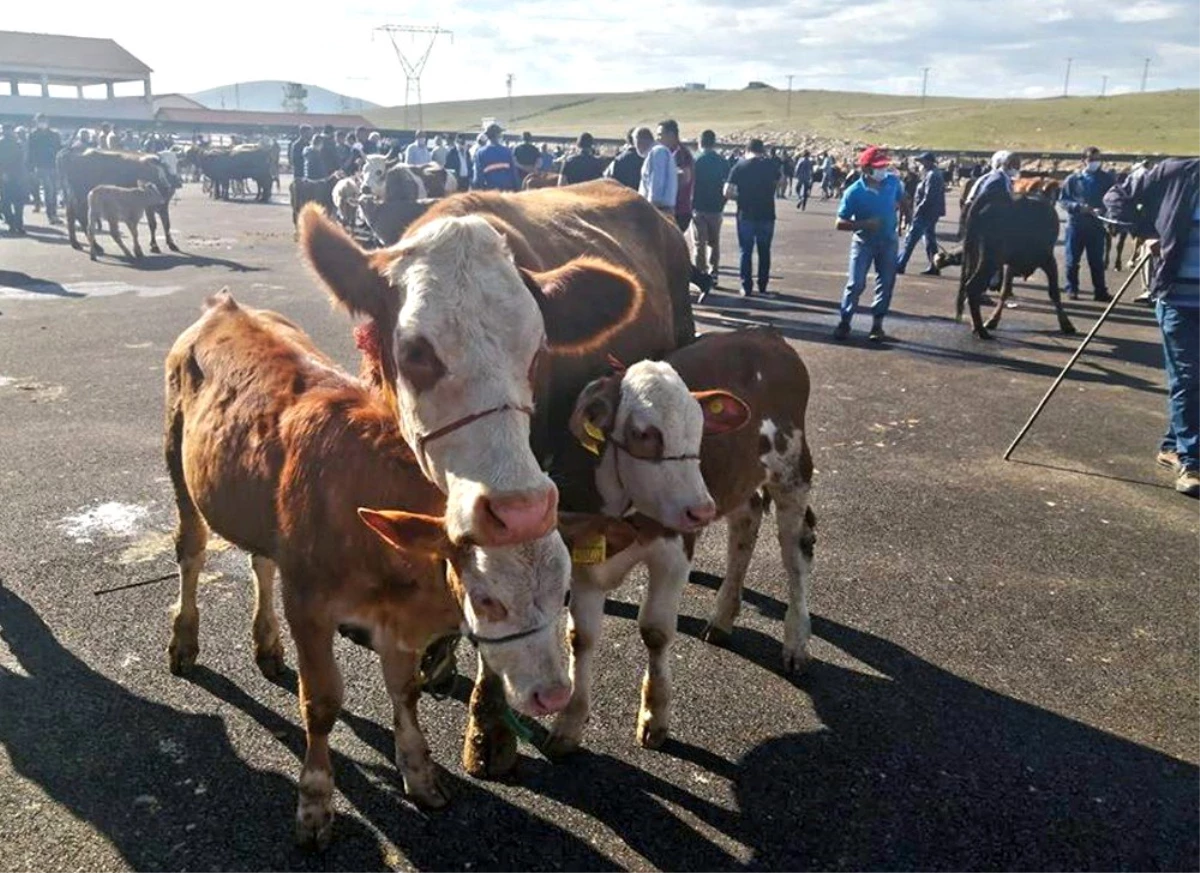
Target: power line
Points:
x,y
413,66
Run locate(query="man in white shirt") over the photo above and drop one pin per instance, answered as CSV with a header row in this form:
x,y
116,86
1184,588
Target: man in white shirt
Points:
x,y
660,180
440,150
417,152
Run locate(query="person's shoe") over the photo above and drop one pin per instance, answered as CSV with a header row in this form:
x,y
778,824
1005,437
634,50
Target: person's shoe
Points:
x,y
877,334
745,292
1072,295
1167,458
716,279
1188,483
1102,297
1144,297
899,271
931,271
56,221
842,331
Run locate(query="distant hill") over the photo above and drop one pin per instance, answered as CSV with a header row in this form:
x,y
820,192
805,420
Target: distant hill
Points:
x,y
268,97
1157,122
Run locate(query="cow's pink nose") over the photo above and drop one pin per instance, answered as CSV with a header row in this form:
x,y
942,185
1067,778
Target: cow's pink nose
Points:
x,y
701,514
515,517
548,700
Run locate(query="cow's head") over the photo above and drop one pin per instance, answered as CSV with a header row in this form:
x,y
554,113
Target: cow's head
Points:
x,y
511,600
170,161
464,331
374,174
647,427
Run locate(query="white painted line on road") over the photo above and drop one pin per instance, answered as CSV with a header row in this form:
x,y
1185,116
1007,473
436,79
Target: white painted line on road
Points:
x,y
38,290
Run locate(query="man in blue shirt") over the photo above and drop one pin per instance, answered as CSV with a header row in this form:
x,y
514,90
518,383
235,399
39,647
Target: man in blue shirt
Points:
x,y
708,201
929,205
804,178
752,183
660,177
1083,197
868,208
495,168
1163,204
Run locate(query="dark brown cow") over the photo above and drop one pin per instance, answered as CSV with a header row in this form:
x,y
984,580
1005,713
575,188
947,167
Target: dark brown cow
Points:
x,y
636,455
273,447
81,171
318,191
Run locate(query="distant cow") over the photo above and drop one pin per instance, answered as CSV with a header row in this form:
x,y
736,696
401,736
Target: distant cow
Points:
x,y
241,162
388,221
389,182
319,191
539,179
1018,235
81,171
115,206
270,445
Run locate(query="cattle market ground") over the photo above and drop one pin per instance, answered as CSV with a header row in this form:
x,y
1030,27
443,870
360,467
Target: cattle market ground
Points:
x,y
1006,653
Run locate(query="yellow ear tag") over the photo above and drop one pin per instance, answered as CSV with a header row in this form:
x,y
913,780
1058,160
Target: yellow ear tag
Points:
x,y
590,445
593,431
590,550
716,407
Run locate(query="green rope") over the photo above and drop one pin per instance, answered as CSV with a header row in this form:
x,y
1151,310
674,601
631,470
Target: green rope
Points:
x,y
517,726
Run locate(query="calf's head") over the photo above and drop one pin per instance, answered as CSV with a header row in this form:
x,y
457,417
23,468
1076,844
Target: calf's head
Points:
x,y
511,599
463,331
374,174
647,427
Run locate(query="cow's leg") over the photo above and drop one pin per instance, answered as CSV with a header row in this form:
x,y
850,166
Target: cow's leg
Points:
x,y
587,623
743,524
490,747
191,540
164,212
93,248
320,702
114,230
1006,292
1120,252
795,523
1050,268
976,273
268,644
668,565
133,233
412,752
76,214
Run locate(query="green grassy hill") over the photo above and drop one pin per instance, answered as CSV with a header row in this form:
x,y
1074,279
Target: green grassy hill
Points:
x,y
1159,122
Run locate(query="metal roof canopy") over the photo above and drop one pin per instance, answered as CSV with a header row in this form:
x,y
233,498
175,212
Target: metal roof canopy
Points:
x,y
66,60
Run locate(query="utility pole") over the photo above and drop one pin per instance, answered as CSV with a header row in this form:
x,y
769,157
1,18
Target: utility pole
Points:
x,y
1145,72
414,65
924,82
508,83
1103,85
1067,80
789,97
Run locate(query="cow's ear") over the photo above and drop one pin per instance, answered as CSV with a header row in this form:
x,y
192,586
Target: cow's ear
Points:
x,y
355,279
595,413
584,302
723,412
409,532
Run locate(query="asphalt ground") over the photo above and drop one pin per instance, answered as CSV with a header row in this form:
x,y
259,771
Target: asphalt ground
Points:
x,y
1006,652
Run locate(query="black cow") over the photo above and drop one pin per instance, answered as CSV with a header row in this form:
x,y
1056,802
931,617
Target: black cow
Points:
x,y
1018,235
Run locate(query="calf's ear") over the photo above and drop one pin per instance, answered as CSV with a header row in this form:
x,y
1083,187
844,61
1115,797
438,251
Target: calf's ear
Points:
x,y
595,412
353,277
723,412
584,302
409,532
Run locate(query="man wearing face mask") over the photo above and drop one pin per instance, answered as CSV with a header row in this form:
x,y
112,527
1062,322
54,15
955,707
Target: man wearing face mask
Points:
x,y
1083,199
868,208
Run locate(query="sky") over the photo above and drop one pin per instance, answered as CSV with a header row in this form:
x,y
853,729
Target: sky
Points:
x,y
973,48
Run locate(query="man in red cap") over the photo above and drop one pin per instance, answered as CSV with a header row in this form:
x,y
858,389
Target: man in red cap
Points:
x,y
868,208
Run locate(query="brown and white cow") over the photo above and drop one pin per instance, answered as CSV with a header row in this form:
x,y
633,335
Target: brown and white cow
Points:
x,y
393,181
476,289
716,430
276,449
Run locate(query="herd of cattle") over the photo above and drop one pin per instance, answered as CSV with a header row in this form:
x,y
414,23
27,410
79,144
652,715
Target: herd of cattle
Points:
x,y
534,414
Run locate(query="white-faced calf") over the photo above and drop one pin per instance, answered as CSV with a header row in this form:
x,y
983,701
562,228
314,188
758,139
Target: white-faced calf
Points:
x,y
716,430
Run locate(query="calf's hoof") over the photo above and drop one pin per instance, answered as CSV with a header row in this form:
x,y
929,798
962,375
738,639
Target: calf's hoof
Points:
x,y
271,662
795,661
651,732
489,752
427,793
717,637
560,745
154,249
171,245
314,825
181,657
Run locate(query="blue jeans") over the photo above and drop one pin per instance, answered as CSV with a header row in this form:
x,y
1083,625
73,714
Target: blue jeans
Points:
x,y
922,226
1085,234
755,233
1181,351
877,250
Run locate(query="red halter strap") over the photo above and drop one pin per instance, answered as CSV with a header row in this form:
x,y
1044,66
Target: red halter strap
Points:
x,y
425,439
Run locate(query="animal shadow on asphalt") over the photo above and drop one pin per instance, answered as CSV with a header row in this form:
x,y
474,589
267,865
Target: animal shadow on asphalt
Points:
x,y
32,285
168,261
920,769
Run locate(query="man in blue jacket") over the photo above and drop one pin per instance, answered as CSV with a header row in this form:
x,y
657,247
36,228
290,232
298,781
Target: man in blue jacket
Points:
x,y
1164,204
929,205
495,168
1083,199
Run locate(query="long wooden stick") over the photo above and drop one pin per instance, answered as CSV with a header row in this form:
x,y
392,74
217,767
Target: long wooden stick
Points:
x,y
1075,357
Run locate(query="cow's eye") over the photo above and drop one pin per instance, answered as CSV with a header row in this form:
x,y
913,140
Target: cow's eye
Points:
x,y
419,364
647,443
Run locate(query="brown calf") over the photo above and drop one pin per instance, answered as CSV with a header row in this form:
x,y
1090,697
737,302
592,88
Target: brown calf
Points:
x,y
112,205
646,430
275,449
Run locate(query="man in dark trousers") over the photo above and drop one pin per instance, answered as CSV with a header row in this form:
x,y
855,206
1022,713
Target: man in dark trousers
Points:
x,y
626,167
44,146
458,161
1163,204
1083,199
708,200
929,205
583,166
525,156
14,186
752,184
296,151
804,180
